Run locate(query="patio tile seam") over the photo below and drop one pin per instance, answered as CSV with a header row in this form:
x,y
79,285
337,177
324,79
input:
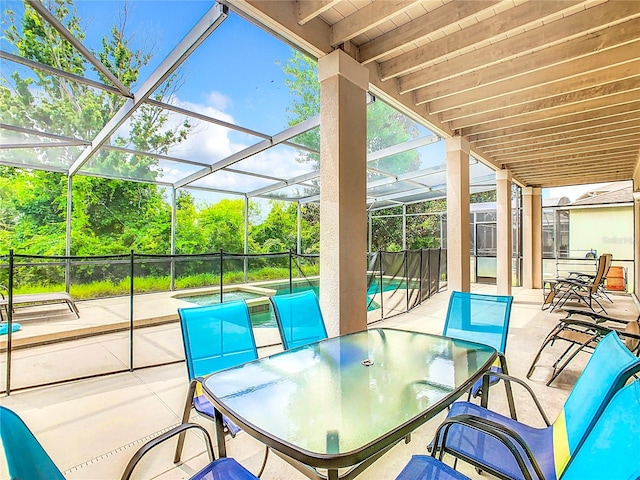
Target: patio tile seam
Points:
x,y
118,450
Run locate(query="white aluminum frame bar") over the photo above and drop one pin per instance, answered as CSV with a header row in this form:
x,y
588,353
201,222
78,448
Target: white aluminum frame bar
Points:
x,y
198,34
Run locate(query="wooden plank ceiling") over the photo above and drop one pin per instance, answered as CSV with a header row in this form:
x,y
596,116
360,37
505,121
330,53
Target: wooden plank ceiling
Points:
x,y
547,89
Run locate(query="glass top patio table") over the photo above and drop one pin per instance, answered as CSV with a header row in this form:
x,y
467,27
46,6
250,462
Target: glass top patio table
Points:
x,y
345,400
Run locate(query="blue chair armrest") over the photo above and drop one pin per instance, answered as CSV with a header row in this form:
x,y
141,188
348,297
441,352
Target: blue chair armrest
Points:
x,y
509,438
126,475
534,397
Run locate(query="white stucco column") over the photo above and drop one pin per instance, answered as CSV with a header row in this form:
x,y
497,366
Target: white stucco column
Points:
x,y
458,216
531,237
343,193
504,240
636,232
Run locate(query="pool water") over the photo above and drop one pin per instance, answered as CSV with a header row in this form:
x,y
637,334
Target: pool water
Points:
x,y
211,298
267,319
303,285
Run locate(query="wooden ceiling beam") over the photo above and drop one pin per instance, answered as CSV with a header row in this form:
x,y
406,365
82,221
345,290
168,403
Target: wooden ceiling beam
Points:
x,y
618,169
584,170
576,160
630,141
579,24
310,9
576,123
608,131
576,180
604,95
367,18
592,109
555,55
568,92
584,167
598,69
596,153
498,27
420,28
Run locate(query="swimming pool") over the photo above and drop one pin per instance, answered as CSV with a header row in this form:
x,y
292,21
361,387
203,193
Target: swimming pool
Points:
x,y
210,298
260,309
301,285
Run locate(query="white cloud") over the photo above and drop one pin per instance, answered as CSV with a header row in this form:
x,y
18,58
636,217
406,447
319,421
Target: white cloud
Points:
x,y
209,143
218,100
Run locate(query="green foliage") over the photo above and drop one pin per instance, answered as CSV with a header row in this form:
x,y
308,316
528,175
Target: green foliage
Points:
x,y
482,197
387,127
109,216
278,233
304,88
156,283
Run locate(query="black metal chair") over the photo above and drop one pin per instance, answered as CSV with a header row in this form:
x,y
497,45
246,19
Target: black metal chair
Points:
x,y
583,334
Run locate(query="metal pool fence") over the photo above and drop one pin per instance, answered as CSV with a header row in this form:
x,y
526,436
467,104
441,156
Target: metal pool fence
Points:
x,y
128,304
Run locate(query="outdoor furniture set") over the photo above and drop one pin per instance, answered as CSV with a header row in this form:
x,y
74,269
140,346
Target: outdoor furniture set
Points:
x,y
332,406
580,287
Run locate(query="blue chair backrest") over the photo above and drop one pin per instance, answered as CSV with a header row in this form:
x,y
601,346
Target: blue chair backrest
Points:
x,y
299,318
610,449
216,337
608,369
479,318
25,457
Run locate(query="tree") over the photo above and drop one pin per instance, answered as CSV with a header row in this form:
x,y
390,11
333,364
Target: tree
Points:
x,y
386,127
278,232
111,216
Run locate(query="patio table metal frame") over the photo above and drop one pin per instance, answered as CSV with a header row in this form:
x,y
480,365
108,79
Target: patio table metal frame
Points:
x,y
334,407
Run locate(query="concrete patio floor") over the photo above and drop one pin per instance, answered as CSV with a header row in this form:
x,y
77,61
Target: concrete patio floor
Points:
x,y
92,427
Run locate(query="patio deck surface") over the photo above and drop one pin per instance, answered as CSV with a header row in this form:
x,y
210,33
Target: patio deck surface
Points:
x,y
92,427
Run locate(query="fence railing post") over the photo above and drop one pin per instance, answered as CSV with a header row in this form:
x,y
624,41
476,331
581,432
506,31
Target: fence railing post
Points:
x,y
381,296
172,273
439,267
221,275
131,292
290,271
406,275
420,276
9,321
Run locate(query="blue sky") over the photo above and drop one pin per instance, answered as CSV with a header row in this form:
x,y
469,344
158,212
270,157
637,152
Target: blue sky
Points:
x,y
240,65
235,75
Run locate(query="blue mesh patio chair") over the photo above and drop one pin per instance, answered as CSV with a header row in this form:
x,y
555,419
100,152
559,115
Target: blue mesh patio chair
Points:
x,y
223,468
299,318
483,319
215,337
26,459
609,449
550,448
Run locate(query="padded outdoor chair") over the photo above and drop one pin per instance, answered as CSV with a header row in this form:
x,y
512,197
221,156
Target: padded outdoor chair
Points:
x,y
582,288
26,459
552,447
483,319
215,337
609,449
299,318
582,335
224,468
